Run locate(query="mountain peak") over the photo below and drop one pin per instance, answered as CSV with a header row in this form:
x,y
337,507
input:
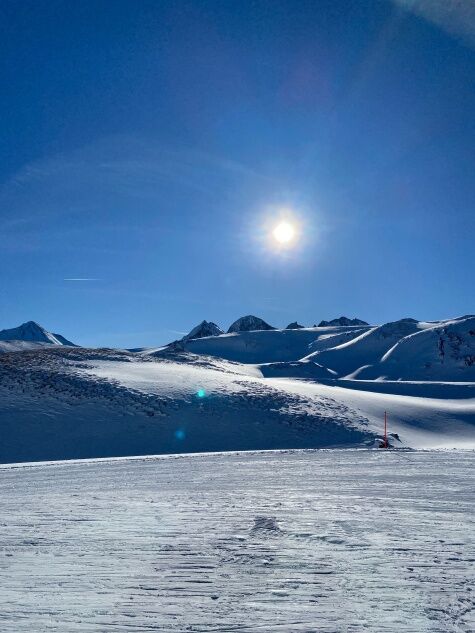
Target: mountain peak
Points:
x,y
33,331
249,323
203,329
294,326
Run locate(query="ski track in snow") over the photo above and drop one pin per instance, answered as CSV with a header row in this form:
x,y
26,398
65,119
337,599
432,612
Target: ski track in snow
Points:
x,y
299,541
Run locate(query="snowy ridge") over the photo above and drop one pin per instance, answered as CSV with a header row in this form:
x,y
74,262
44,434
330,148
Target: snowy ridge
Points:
x,y
267,346
401,350
342,321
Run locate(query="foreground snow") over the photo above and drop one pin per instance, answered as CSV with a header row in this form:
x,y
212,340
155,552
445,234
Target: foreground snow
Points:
x,y
355,540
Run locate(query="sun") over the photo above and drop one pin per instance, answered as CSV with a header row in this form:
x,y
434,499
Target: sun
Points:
x,y
284,233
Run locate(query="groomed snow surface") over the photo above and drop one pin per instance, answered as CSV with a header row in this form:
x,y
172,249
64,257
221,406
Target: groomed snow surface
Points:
x,y
327,541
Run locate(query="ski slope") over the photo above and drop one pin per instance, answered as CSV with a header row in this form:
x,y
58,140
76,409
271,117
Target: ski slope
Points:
x,y
329,541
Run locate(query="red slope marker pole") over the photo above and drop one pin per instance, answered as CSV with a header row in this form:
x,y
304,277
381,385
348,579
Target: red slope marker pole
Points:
x,y
385,430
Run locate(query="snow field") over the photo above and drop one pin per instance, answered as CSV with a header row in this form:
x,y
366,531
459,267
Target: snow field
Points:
x,y
348,541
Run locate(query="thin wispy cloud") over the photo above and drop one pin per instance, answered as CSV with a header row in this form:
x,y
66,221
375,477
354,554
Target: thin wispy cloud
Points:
x,y
455,17
76,183
81,279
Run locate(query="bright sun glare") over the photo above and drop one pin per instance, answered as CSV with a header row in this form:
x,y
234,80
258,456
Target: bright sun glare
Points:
x,y
284,233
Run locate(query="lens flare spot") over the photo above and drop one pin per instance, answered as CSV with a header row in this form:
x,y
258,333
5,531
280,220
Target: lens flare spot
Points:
x,y
180,434
201,393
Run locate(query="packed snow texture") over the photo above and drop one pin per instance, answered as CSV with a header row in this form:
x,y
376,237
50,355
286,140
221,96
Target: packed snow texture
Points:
x,y
331,541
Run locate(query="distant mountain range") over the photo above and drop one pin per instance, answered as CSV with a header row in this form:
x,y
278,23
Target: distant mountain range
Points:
x,y
344,348
251,323
347,348
32,332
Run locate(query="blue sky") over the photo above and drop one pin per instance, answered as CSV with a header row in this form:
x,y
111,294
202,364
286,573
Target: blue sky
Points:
x,y
147,147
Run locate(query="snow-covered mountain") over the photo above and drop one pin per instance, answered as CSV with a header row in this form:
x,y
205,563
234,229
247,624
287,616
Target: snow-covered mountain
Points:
x,y
444,351
264,346
367,348
407,350
400,350
34,333
202,330
249,323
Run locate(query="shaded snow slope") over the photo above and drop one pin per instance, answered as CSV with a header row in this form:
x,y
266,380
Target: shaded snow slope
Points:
x,y
62,403
33,332
425,415
299,369
300,542
332,338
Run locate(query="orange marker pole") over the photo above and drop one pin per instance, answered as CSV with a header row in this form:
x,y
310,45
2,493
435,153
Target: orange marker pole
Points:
x,y
385,430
